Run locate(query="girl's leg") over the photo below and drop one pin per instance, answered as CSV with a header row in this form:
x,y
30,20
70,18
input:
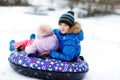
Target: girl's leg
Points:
x,y
21,43
32,36
14,45
11,45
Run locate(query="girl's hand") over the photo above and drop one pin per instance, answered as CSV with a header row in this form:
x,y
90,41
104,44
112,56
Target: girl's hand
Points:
x,y
45,53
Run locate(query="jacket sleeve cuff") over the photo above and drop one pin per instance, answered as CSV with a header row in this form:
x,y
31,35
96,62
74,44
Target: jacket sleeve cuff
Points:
x,y
54,54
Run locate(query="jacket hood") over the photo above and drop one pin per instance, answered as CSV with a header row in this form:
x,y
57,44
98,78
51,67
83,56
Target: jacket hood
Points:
x,y
79,36
76,28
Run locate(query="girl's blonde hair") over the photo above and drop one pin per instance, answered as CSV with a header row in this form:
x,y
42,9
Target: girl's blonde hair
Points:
x,y
76,28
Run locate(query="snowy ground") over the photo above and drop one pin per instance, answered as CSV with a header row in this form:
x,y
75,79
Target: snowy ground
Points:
x,y
101,46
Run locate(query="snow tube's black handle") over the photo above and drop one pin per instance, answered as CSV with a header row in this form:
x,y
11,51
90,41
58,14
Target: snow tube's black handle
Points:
x,y
20,48
37,56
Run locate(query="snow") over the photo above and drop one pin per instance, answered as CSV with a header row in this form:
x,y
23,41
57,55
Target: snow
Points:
x,y
101,46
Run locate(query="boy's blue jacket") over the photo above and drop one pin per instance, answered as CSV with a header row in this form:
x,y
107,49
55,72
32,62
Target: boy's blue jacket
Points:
x,y
69,47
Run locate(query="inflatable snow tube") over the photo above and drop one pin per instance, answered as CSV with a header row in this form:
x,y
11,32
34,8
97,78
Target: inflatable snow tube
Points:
x,y
48,68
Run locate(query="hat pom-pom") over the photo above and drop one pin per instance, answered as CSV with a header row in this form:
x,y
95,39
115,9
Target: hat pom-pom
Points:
x,y
71,12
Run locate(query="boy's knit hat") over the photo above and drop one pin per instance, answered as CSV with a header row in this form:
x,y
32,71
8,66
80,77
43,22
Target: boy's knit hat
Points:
x,y
67,18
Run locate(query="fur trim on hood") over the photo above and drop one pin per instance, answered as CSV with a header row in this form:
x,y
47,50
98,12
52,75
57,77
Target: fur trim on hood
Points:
x,y
76,28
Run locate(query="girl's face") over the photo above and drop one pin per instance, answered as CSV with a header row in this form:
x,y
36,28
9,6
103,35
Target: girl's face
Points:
x,y
64,28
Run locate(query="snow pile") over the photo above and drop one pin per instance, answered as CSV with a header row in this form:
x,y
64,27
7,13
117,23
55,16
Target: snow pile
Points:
x,y
101,46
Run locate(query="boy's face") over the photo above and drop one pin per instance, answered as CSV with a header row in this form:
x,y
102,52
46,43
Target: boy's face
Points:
x,y
64,28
